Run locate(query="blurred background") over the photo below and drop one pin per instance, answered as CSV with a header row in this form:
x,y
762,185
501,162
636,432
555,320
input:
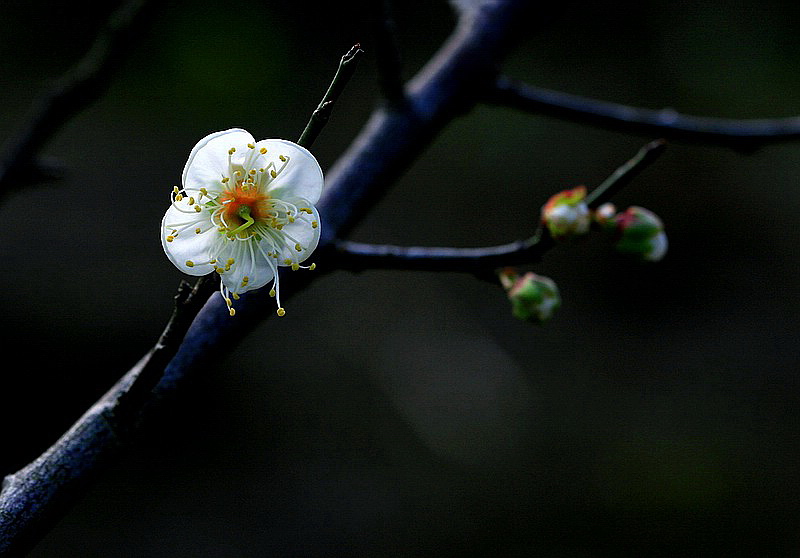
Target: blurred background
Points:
x,y
409,414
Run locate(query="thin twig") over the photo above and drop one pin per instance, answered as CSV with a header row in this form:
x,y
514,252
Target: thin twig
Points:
x,y
320,117
358,256
75,90
738,133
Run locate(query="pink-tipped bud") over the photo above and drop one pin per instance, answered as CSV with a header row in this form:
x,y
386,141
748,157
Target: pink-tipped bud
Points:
x,y
566,214
533,297
641,234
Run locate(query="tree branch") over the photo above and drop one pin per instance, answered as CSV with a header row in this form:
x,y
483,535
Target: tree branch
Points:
x,y
740,134
358,256
33,498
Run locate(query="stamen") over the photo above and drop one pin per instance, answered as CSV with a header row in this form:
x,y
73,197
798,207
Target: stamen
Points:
x,y
263,150
281,312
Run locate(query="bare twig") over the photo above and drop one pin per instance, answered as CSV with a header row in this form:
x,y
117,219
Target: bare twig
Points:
x,y
320,117
75,90
358,256
668,123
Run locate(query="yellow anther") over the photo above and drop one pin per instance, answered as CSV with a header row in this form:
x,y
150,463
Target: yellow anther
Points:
x,y
281,312
203,191
251,146
291,219
197,230
295,266
298,247
263,150
228,301
306,210
212,261
287,261
273,174
230,261
231,151
314,224
282,158
235,296
191,200
225,179
170,238
220,270
189,263
198,209
252,171
272,292
312,267
178,197
232,311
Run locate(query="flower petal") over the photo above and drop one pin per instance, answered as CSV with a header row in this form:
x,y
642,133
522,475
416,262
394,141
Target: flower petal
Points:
x,y
188,245
304,234
208,161
302,176
249,262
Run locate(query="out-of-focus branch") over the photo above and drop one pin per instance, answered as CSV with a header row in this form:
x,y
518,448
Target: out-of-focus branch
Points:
x,y
387,53
75,90
740,134
358,256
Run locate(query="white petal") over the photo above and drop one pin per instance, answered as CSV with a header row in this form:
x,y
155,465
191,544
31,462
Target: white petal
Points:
x,y
208,161
248,262
302,177
187,245
304,234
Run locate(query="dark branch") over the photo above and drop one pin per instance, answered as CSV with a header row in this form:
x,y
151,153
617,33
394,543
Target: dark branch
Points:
x,y
741,134
320,117
358,256
75,90
35,497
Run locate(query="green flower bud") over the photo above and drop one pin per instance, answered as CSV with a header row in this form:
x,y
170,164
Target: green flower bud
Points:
x,y
566,213
641,233
533,297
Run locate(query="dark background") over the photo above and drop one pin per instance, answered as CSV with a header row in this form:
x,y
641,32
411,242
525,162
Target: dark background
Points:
x,y
409,414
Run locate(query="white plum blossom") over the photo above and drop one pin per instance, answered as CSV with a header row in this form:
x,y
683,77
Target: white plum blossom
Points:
x,y
246,208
